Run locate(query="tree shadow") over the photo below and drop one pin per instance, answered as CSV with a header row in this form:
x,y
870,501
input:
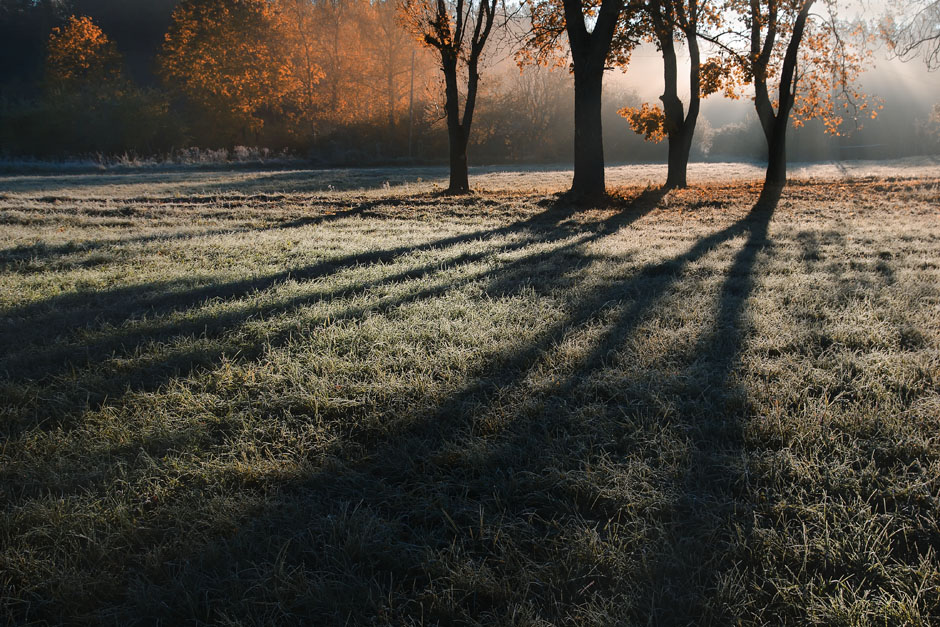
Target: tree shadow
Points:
x,y
11,258
393,521
505,482
711,507
121,323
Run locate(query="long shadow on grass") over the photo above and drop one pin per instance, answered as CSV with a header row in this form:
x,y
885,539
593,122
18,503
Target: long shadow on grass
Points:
x,y
12,259
30,324
710,508
461,515
23,484
27,359
469,515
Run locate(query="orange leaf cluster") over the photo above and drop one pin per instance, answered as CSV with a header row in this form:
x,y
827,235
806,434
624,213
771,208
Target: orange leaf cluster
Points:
x,y
80,56
222,55
649,121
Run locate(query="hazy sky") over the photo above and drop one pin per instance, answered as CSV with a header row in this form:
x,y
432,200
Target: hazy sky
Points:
x,y
888,79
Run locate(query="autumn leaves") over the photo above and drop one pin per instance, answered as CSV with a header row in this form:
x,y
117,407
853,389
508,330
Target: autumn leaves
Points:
x,y
317,64
303,69
235,66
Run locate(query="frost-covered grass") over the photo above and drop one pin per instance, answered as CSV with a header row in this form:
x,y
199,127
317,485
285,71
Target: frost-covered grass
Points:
x,y
235,399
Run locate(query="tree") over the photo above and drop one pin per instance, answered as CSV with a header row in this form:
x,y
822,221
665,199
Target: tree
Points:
x,y
136,28
89,104
916,31
296,26
81,57
340,54
808,60
390,52
459,31
666,22
599,37
223,55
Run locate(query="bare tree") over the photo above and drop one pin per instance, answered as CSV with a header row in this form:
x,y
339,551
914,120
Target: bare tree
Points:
x,y
916,31
458,30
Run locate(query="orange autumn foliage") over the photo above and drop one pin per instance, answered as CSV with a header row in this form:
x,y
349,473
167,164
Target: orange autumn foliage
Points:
x,y
319,66
831,57
649,121
223,55
81,57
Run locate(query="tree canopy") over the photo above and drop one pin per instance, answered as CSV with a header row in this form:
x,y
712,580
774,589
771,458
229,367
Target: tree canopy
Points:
x,y
80,57
223,55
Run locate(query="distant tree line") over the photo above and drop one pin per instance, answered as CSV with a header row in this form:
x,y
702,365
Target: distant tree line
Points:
x,y
370,81
338,81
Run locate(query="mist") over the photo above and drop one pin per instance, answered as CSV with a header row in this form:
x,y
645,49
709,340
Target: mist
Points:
x,y
523,115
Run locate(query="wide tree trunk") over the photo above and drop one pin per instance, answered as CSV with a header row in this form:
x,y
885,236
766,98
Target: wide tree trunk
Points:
x,y
680,146
588,180
459,180
776,177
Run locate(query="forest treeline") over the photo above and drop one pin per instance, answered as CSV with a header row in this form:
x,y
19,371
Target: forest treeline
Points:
x,y
339,81
336,81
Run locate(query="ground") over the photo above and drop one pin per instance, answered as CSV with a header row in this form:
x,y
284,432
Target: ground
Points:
x,y
339,398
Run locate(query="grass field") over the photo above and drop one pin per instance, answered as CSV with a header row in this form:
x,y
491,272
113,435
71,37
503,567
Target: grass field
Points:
x,y
275,399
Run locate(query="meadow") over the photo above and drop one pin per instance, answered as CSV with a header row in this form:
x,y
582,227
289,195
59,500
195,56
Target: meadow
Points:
x,y
337,397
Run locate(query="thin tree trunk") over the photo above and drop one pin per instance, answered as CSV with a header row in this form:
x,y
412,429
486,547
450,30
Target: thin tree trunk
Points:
x,y
451,45
680,127
675,114
695,102
588,134
775,126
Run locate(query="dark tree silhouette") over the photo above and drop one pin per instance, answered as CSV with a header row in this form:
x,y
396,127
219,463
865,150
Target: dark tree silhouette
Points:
x,y
774,123
666,22
600,34
459,31
811,62
589,50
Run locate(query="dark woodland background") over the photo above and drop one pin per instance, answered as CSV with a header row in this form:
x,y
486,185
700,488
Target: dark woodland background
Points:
x,y
524,116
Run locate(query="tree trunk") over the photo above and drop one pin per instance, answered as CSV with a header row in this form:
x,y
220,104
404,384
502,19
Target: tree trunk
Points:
x,y
776,176
588,137
680,145
679,126
673,109
589,52
775,126
459,180
456,134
